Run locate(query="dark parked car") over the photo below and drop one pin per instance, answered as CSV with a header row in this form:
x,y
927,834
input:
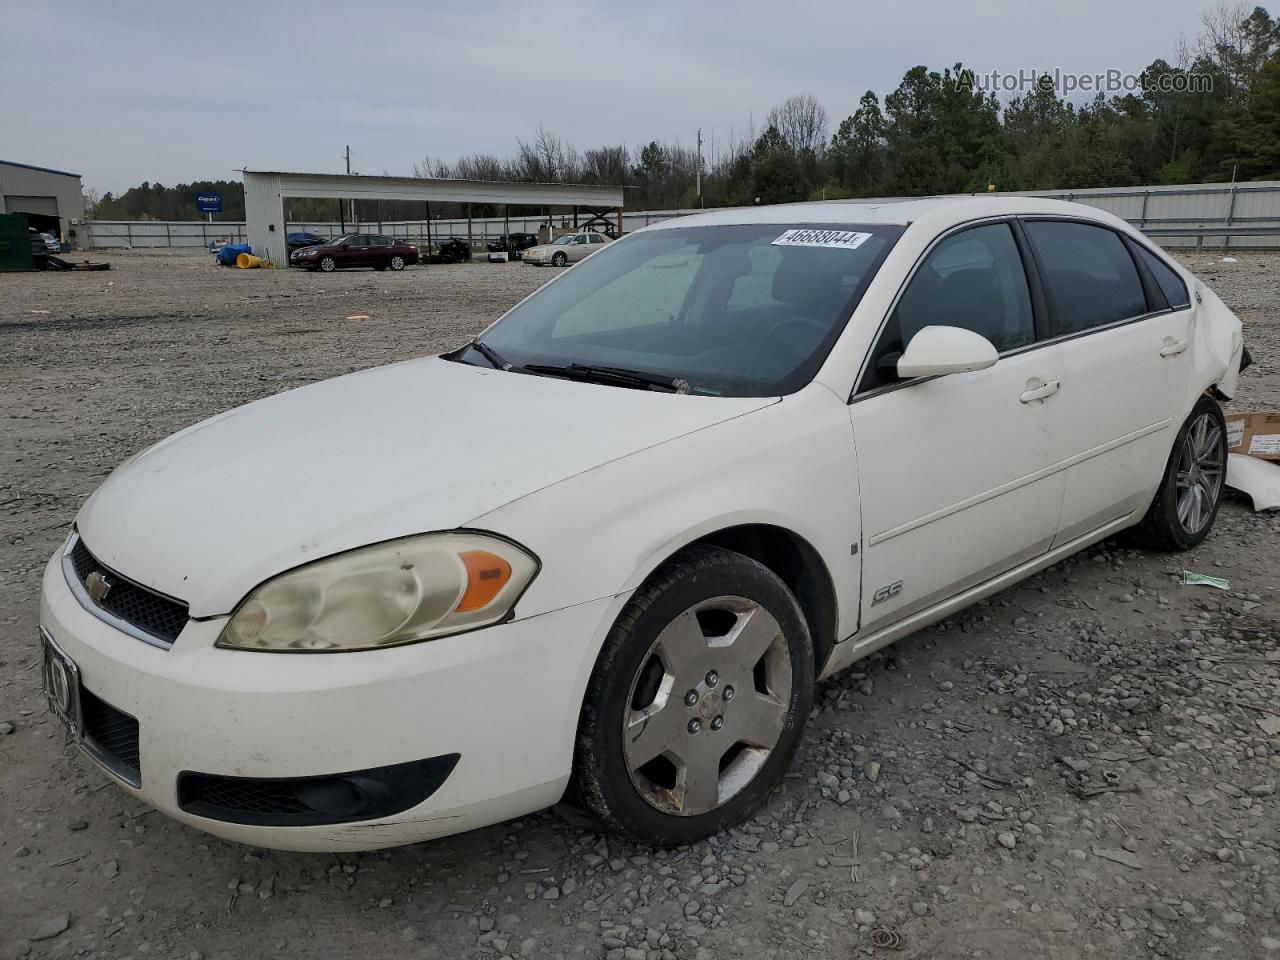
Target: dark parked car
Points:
x,y
513,243
356,250
297,241
454,250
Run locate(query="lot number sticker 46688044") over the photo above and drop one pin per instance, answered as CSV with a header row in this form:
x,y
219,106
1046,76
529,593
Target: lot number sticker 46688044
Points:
x,y
839,239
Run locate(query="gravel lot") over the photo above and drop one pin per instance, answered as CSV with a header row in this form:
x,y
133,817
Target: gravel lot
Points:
x,y
1084,766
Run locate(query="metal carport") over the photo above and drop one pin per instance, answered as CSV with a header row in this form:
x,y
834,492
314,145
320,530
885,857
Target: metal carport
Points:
x,y
265,192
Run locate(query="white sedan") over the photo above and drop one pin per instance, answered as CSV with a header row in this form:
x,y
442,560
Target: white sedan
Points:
x,y
566,249
609,546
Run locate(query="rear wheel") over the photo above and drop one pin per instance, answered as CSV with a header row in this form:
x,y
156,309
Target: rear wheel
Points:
x,y
698,700
397,263
328,264
1185,506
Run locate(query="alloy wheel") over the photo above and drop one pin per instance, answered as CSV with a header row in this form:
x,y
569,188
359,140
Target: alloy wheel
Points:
x,y
327,264
707,706
397,263
1200,473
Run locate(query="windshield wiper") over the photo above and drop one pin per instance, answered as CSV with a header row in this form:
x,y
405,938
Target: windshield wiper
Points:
x,y
490,354
619,376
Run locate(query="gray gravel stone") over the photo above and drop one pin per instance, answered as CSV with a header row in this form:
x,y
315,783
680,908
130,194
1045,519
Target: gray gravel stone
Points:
x,y
52,927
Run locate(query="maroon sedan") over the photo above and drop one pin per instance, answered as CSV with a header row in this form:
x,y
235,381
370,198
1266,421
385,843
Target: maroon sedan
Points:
x,y
356,250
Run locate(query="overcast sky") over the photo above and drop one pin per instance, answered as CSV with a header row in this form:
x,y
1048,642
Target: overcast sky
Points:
x,y
133,90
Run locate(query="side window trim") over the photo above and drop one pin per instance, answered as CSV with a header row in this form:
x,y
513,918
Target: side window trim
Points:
x,y
1156,300
1138,248
859,391
1031,267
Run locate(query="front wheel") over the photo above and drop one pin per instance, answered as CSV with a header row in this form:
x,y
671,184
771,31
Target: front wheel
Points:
x,y
559,260
328,264
1185,506
697,702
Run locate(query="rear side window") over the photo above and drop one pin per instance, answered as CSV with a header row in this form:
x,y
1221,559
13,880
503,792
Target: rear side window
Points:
x,y
1088,274
1175,291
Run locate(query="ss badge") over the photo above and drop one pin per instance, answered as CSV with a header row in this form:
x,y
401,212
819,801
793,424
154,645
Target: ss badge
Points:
x,y
886,593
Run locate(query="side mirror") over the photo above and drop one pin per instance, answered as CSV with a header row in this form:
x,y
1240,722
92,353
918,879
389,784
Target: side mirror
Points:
x,y
937,351
345,246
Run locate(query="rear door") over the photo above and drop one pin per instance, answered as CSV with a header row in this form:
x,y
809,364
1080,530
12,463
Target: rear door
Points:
x,y
953,470
1124,352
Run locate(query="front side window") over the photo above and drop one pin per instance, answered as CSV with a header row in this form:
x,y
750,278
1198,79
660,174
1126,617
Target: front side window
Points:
x,y
734,310
973,279
1088,274
1175,291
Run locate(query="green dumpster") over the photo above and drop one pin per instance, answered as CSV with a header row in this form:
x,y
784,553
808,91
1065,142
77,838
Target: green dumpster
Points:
x,y
15,243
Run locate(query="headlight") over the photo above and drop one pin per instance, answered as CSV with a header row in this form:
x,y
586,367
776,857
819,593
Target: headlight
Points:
x,y
397,592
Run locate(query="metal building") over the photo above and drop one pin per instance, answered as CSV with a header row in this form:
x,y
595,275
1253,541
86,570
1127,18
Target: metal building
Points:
x,y
265,192
51,199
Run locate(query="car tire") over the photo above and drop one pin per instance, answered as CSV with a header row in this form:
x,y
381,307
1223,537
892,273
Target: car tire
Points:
x,y
723,718
1190,493
327,264
396,263
559,260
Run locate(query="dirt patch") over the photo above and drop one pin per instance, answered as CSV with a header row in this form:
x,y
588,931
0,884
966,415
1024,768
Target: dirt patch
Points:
x,y
1074,768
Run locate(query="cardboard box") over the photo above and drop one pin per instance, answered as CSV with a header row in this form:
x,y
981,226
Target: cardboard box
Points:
x,y
1255,434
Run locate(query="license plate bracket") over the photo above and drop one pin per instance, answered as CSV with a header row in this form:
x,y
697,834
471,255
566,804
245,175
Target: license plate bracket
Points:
x,y
60,681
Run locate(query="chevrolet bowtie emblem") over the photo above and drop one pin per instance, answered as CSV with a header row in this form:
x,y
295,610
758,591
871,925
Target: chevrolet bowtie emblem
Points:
x,y
97,585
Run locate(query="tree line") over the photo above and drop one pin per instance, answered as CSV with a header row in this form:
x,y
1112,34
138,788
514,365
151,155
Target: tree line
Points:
x,y
1209,112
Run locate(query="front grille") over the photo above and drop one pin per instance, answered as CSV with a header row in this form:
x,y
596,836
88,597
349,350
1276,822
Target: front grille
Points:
x,y
111,735
148,611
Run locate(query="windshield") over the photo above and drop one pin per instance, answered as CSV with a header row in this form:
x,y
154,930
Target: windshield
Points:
x,y
561,241
347,238
740,310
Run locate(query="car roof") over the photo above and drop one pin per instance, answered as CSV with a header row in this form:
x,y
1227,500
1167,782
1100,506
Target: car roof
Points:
x,y
891,211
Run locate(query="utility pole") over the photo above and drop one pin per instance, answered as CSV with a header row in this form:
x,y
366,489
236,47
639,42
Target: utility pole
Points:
x,y
699,175
353,202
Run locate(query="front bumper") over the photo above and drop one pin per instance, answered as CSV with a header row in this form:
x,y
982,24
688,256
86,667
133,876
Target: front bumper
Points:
x,y
505,699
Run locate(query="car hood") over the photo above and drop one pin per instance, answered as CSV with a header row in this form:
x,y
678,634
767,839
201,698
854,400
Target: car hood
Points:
x,y
212,511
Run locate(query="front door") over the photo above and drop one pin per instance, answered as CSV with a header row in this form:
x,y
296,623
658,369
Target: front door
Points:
x,y
954,471
357,252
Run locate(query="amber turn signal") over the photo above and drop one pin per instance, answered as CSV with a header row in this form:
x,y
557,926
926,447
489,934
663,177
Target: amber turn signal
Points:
x,y
487,574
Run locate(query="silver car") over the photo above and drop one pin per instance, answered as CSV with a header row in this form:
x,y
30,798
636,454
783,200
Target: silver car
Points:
x,y
564,250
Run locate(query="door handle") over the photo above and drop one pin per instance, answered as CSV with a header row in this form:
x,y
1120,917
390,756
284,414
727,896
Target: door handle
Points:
x,y
1172,347
1047,389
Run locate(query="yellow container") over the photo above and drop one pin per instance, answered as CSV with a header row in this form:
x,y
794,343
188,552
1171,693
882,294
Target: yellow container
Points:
x,y
247,261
